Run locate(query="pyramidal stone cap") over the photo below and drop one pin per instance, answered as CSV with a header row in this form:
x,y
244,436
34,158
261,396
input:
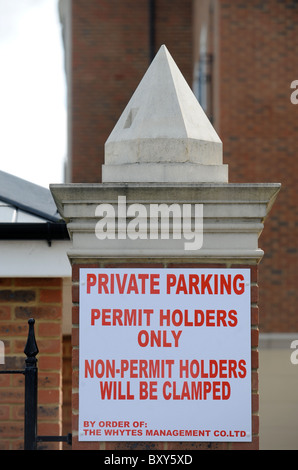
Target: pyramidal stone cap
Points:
x,y
163,134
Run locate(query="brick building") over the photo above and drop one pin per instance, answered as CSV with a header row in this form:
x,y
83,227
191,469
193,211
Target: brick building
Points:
x,y
240,59
258,125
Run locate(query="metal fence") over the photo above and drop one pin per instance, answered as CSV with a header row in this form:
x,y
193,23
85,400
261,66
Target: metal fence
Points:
x,y
30,372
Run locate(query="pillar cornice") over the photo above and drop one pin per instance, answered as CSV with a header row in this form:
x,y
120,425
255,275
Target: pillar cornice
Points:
x,y
233,219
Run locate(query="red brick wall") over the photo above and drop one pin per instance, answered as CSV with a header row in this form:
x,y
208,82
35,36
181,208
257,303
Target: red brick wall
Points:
x,y
21,299
110,54
254,445
258,126
258,43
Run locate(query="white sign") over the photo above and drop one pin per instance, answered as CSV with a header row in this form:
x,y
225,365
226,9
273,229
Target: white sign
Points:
x,y
165,355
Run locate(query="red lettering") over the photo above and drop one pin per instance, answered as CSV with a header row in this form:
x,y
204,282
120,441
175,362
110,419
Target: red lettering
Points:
x,y
143,278
238,287
121,286
232,368
177,321
146,394
143,390
143,338
102,282
209,284
221,317
181,286
233,318
124,366
242,367
205,284
226,390
199,317
154,281
106,317
89,368
132,285
91,281
95,314
210,314
216,391
225,284
223,369
193,284
171,281
106,389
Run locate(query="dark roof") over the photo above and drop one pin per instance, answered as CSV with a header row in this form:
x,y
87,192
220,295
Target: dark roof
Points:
x,y
28,197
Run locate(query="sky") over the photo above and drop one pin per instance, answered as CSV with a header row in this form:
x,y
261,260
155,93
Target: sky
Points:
x,y
33,127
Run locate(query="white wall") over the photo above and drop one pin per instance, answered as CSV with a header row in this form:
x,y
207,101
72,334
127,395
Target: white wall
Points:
x,y
34,259
278,394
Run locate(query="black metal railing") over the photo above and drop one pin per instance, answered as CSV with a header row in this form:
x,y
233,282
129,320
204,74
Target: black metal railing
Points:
x,y
31,385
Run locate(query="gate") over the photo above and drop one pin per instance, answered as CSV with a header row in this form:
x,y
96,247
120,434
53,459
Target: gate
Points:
x,y
31,384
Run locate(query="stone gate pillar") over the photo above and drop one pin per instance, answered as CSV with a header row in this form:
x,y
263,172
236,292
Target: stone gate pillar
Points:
x,y
165,206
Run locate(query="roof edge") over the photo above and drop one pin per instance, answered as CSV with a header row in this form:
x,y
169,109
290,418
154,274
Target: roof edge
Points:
x,y
48,231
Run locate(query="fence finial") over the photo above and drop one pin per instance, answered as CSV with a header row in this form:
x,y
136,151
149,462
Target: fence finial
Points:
x,y
31,349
